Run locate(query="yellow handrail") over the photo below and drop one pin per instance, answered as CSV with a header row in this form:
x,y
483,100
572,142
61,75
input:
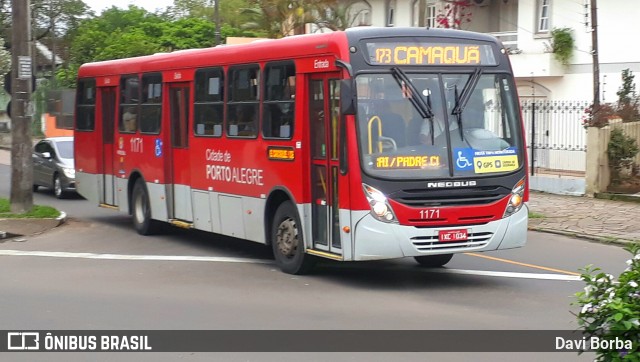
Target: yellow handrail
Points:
x,y
371,120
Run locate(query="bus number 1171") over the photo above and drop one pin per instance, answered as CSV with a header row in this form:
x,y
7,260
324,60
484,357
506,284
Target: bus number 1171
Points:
x,y
430,214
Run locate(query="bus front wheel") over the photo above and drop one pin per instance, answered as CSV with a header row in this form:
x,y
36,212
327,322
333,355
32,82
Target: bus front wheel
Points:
x,y
141,209
433,261
287,241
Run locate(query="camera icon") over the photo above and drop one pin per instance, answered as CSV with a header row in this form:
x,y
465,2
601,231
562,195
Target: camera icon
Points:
x,y
23,341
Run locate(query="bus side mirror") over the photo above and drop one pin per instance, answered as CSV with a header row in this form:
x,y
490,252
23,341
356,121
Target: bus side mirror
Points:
x,y
347,97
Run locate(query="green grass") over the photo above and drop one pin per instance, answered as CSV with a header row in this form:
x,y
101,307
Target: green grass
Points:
x,y
37,212
535,215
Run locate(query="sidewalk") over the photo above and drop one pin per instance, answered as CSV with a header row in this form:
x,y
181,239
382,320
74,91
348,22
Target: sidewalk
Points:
x,y
583,217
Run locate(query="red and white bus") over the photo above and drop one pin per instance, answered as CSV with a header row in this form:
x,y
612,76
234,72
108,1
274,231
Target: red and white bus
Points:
x,y
371,143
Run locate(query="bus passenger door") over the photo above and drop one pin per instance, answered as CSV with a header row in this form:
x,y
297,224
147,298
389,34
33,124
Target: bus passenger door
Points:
x,y
107,99
178,157
324,119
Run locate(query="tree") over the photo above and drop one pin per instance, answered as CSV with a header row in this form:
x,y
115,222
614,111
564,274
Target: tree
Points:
x,y
230,16
100,38
620,151
627,98
122,33
192,9
66,15
5,62
627,91
338,15
188,33
454,14
278,18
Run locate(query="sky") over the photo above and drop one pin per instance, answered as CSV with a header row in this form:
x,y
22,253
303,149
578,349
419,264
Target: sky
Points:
x,y
150,5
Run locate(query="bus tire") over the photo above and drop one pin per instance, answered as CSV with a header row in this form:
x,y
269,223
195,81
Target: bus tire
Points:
x,y
287,241
433,261
141,210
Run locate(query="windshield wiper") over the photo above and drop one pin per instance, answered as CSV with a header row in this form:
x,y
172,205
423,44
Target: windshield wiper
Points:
x,y
423,108
461,100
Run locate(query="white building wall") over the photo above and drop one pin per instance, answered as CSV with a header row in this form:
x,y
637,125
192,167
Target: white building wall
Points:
x,y
378,12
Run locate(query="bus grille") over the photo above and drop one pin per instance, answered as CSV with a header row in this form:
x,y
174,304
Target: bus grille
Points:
x,y
427,243
450,197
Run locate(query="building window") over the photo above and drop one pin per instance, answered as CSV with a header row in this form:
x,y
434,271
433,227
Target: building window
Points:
x,y
391,12
424,13
360,14
543,16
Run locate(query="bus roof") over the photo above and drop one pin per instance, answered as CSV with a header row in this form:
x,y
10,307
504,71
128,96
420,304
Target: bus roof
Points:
x,y
291,47
265,50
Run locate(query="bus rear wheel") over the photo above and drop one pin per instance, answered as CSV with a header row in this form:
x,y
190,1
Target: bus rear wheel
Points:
x,y
433,261
141,210
287,241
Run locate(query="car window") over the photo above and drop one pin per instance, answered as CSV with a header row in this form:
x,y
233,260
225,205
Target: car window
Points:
x,y
65,149
41,147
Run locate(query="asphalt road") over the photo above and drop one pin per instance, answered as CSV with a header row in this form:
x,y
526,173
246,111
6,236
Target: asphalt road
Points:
x,y
193,280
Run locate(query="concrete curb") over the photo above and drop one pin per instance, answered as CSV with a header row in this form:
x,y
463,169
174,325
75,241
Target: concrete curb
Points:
x,y
62,218
589,237
31,226
617,197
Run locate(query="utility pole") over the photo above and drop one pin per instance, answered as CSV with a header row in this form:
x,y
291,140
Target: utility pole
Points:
x,y
21,109
52,23
216,14
594,53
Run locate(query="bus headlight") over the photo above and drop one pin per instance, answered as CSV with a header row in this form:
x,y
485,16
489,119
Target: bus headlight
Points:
x,y
380,208
69,172
515,201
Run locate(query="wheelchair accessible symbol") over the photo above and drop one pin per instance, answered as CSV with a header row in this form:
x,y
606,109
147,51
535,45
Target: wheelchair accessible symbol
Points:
x,y
462,162
158,148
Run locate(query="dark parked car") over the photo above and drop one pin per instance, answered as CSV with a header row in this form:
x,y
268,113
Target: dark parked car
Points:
x,y
53,165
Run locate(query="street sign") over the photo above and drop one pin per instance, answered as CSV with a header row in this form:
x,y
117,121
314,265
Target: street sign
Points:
x,y
24,67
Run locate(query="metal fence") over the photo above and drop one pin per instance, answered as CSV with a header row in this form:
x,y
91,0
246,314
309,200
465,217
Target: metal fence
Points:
x,y
556,138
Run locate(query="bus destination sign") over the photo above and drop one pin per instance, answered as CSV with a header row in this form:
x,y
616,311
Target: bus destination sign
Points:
x,y
430,54
281,153
406,162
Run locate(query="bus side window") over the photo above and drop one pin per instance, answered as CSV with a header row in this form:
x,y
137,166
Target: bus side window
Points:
x,y
129,104
279,102
242,106
151,107
85,105
209,102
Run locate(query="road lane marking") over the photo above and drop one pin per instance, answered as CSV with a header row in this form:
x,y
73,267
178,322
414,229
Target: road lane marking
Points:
x,y
489,273
59,254
523,264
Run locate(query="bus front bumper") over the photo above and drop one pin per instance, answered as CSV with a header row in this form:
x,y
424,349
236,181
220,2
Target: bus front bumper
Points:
x,y
374,239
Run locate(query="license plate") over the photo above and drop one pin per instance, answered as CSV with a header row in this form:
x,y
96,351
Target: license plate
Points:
x,y
452,235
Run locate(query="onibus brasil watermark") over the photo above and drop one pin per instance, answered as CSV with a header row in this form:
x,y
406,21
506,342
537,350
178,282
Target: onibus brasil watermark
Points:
x,y
37,341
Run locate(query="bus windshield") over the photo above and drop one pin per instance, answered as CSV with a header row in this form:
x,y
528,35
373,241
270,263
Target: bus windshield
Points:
x,y
463,125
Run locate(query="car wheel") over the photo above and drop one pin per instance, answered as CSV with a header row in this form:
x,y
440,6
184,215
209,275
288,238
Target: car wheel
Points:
x,y
141,209
57,187
433,261
287,241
